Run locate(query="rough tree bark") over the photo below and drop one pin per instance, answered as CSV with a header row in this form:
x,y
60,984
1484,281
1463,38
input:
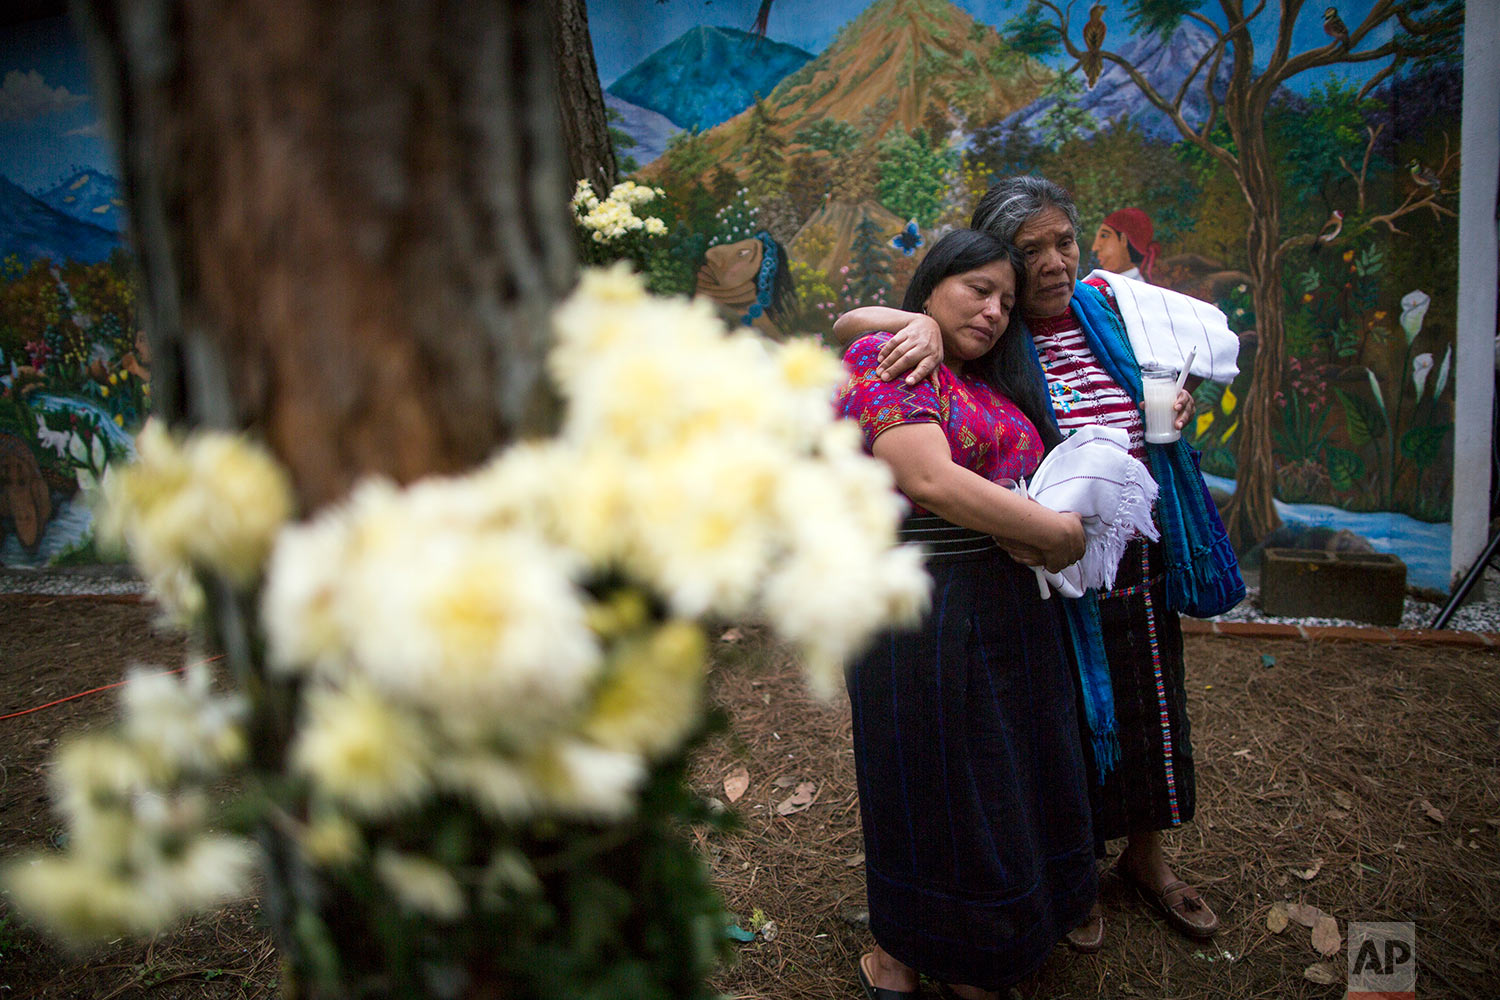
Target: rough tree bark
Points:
x,y
351,223
585,123
350,219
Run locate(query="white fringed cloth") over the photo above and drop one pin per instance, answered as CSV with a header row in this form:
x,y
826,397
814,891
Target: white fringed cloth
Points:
x,y
1164,326
1093,474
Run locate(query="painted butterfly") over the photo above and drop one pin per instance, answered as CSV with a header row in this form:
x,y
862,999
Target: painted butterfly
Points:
x,y
908,239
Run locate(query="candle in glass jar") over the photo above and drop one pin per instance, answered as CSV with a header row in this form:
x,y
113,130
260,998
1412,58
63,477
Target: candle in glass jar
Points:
x,y
1160,389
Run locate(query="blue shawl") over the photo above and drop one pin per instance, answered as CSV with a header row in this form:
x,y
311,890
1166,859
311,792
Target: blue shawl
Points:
x,y
1202,573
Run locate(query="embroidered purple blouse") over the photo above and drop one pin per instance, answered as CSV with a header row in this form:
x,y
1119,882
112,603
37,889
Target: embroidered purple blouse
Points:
x,y
986,432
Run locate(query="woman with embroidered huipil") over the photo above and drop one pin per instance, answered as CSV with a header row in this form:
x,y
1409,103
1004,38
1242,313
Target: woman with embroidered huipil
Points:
x,y
972,785
1089,338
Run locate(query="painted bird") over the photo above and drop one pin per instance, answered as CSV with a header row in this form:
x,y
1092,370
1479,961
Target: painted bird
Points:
x,y
1330,230
1334,26
1093,37
1423,176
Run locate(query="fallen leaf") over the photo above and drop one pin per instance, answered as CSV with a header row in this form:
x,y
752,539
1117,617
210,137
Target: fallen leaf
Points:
x,y
854,860
802,796
1343,799
736,783
731,635
1433,812
1336,814
1277,919
1325,937
1308,874
1323,973
1303,913
785,781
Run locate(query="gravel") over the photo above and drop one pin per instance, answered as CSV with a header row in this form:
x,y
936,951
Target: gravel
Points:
x,y
1474,616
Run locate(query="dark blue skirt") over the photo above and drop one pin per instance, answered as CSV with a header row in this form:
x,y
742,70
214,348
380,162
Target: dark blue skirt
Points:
x,y
978,849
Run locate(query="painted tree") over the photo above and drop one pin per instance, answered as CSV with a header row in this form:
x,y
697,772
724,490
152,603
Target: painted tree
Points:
x,y
763,154
1418,30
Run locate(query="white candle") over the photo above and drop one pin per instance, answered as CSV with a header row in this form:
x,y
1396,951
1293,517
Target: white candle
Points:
x,y
1160,385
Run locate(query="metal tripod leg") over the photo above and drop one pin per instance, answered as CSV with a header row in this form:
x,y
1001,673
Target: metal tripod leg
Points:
x,y
1467,583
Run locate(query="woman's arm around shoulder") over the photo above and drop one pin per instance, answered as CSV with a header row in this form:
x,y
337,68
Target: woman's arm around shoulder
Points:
x,y
915,347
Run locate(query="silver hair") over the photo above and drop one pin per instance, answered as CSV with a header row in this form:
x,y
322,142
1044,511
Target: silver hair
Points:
x,y
1011,201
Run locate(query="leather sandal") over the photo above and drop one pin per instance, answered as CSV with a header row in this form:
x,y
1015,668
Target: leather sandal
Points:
x,y
1180,903
873,992
1087,937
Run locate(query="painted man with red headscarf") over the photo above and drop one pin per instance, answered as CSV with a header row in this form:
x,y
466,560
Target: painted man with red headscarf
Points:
x,y
1124,244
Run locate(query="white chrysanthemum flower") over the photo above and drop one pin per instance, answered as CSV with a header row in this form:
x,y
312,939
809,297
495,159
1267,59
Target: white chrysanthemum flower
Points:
x,y
465,622
96,771
702,523
179,724
580,779
361,750
331,840
206,872
299,603
82,901
650,698
831,597
215,501
420,884
499,786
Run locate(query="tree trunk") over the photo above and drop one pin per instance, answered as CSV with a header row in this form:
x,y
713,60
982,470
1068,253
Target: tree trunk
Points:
x,y
1251,514
350,218
351,222
585,123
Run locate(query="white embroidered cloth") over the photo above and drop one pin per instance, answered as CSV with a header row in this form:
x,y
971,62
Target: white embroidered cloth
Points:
x,y
1165,325
1093,474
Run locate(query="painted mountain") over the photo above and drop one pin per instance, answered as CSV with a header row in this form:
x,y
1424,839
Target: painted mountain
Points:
x,y
900,64
89,196
30,228
707,75
650,130
1164,64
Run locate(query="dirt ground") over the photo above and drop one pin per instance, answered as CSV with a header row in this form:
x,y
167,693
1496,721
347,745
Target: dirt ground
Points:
x,y
1357,778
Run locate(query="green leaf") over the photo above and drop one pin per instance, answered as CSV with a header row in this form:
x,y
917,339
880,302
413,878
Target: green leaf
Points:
x,y
1032,32
1362,418
1345,468
1423,444
1159,17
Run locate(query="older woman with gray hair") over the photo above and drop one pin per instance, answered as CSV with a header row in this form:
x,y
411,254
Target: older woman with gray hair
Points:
x,y
1127,641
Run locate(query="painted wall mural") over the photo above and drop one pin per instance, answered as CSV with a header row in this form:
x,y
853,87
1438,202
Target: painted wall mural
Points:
x,y
75,371
1301,174
809,151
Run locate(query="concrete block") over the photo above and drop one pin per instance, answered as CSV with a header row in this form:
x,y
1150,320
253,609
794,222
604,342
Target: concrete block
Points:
x,y
1359,586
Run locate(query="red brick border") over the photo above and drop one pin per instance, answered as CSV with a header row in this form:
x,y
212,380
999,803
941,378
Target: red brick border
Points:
x,y
1339,633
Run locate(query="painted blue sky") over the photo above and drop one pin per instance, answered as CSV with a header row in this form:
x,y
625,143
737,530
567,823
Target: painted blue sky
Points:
x,y
626,31
47,121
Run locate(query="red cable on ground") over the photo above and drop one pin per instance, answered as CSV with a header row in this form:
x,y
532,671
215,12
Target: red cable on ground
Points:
x,y
107,687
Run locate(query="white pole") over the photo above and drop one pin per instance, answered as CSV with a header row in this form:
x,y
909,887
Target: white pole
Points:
x,y
1474,366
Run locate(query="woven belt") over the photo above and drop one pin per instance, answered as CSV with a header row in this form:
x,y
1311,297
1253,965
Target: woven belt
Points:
x,y
942,539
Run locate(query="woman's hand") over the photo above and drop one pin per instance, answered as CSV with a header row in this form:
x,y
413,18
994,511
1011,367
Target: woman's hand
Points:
x,y
917,347
1058,545
1184,406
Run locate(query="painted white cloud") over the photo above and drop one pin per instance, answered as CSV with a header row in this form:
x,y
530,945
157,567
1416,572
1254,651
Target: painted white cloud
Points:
x,y
94,129
24,96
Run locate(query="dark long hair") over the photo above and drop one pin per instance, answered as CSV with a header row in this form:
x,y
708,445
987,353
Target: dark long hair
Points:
x,y
1009,367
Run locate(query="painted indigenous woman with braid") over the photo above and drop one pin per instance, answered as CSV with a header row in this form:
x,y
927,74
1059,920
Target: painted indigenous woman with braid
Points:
x,y
1127,641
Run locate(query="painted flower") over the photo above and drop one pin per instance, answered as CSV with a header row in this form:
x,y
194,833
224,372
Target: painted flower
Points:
x,y
1413,310
1421,365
